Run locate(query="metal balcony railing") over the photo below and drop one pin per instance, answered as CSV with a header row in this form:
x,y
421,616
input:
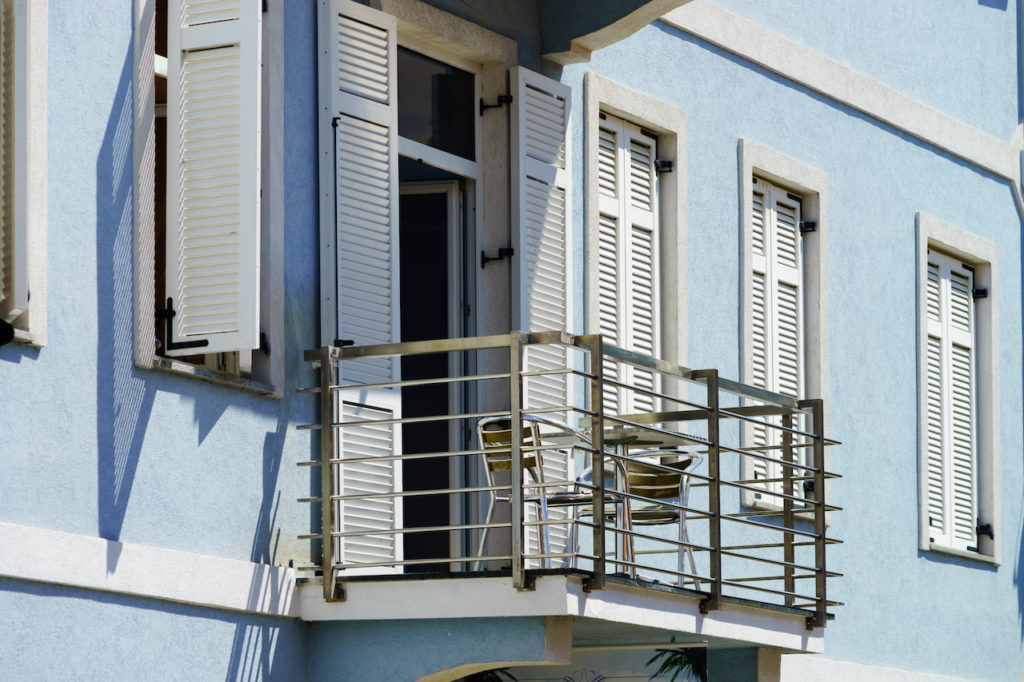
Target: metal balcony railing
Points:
x,y
713,487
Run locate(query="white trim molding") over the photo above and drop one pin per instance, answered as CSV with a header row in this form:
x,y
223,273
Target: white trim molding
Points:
x,y
81,561
798,668
982,255
802,65
669,123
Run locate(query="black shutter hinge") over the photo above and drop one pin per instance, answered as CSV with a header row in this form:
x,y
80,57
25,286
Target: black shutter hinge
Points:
x,y
503,252
168,315
985,529
264,344
663,166
979,293
341,343
808,226
502,101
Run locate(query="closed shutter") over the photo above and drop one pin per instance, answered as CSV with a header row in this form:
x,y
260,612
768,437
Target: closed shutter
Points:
x,y
950,419
776,313
213,174
359,231
627,259
541,191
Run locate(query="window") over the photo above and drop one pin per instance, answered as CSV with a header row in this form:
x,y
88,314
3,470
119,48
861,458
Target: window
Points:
x,y
636,231
784,219
200,126
22,172
958,458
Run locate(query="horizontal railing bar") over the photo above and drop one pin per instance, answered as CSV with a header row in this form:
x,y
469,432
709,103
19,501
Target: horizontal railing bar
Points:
x,y
414,562
419,420
418,529
414,347
767,526
772,493
768,458
774,562
770,577
625,562
781,593
418,493
403,383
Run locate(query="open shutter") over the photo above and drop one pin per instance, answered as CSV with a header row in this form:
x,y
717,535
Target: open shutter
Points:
x,y
950,432
213,175
359,262
541,205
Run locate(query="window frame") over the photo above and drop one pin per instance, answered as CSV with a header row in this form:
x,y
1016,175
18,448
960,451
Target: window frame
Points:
x,y
972,250
811,184
602,95
29,167
268,369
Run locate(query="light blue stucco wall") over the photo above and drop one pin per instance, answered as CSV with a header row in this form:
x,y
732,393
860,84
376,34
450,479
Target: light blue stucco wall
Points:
x,y
904,608
103,448
958,57
58,633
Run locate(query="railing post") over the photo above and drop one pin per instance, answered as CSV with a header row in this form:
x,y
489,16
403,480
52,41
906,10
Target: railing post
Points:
x,y
327,450
714,601
818,462
515,363
787,506
597,460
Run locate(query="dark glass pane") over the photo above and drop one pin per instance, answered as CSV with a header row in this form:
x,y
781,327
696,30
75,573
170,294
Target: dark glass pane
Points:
x,y
435,104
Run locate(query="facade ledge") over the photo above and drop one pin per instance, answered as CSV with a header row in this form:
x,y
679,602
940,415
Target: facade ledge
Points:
x,y
620,603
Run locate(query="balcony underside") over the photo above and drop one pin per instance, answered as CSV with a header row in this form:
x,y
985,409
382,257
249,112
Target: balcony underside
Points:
x,y
624,612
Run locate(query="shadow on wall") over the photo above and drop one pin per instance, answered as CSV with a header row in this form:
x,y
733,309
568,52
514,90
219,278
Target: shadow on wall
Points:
x,y
253,645
1018,568
123,400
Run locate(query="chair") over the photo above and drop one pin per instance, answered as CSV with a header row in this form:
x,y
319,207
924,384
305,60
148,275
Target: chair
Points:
x,y
654,483
495,437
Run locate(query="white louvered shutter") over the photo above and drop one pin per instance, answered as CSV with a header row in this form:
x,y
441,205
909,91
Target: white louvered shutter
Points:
x,y
777,353
359,231
628,294
213,174
949,390
542,291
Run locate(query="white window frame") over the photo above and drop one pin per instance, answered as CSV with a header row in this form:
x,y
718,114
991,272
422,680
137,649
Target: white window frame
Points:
x,y
954,242
811,185
29,165
603,95
267,369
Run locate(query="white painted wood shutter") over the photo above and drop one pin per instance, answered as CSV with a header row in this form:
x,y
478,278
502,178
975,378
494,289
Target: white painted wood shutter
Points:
x,y
627,260
213,174
950,390
13,232
777,340
359,260
541,203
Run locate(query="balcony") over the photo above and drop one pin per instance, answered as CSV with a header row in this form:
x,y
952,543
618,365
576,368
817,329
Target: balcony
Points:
x,y
424,478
